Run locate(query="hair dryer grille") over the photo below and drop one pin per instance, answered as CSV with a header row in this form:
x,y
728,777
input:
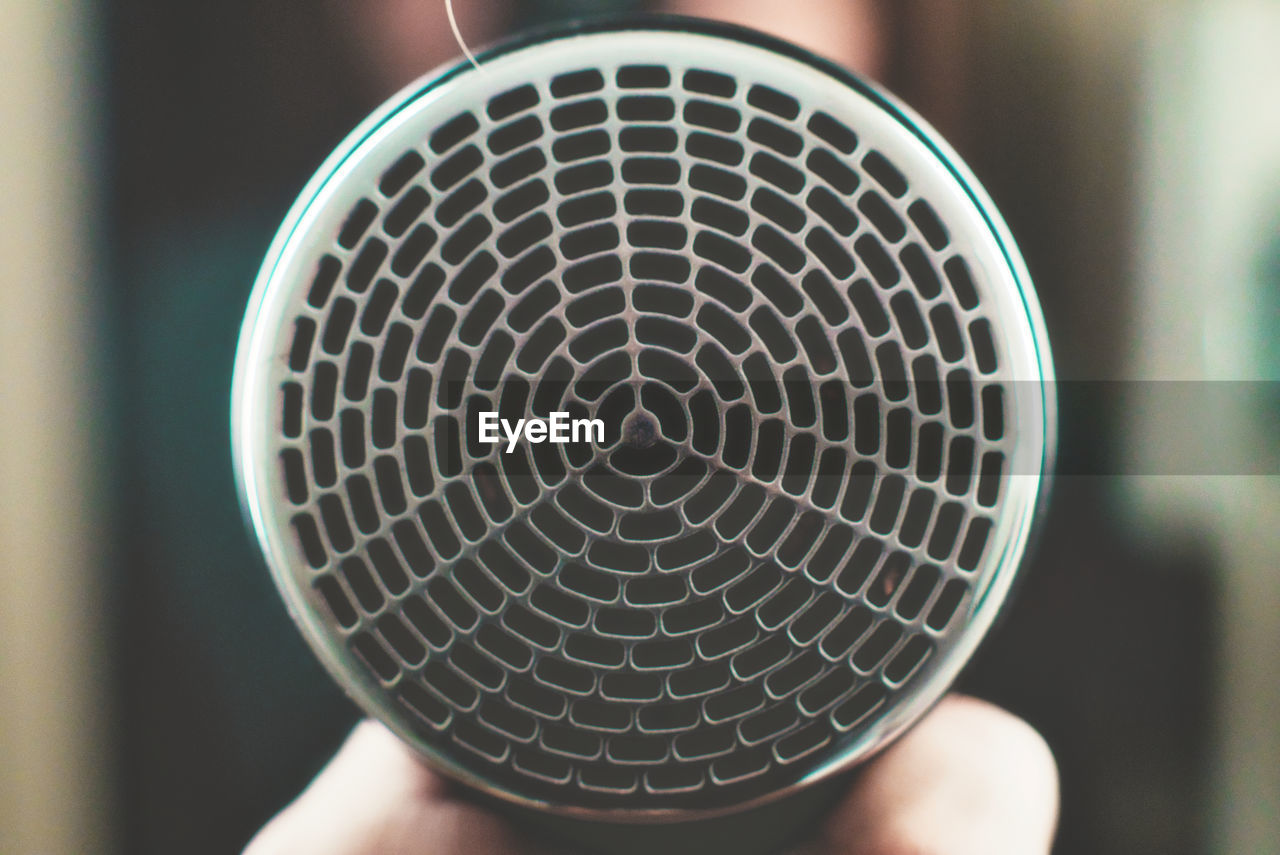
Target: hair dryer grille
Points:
x,y
820,374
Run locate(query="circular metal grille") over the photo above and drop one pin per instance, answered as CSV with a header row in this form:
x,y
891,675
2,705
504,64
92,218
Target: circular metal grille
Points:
x,y
820,375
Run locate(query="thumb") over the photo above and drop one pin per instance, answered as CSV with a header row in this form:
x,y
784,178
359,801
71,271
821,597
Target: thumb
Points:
x,y
376,798
969,779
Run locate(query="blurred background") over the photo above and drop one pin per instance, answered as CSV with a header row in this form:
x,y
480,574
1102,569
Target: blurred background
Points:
x,y
154,696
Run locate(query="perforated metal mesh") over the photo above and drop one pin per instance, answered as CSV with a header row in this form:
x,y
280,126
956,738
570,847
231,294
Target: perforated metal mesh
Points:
x,y
815,366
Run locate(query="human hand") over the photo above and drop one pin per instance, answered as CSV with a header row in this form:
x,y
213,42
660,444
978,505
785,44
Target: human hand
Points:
x,y
969,779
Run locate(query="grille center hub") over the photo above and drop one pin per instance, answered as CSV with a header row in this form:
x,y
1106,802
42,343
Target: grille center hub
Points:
x,y
639,431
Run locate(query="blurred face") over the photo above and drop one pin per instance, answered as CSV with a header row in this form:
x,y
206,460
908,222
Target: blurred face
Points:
x,y
399,40
850,32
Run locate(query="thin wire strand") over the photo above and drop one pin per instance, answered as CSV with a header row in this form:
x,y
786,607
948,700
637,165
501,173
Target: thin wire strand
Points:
x,y
457,34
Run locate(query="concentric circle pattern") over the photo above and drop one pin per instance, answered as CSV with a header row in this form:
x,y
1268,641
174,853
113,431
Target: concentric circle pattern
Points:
x,y
802,493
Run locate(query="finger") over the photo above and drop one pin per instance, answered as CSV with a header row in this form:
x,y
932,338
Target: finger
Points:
x,y
376,798
969,779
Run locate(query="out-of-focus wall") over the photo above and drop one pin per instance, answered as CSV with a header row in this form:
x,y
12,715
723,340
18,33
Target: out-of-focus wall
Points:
x,y
1059,89
52,679
1143,137
1202,427
1159,161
